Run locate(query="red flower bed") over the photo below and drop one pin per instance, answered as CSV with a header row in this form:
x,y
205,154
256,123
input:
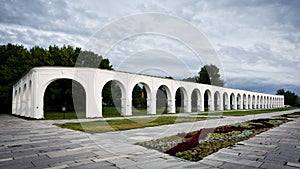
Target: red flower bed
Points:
x,y
193,142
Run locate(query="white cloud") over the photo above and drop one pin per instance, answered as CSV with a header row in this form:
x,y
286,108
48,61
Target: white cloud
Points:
x,y
258,42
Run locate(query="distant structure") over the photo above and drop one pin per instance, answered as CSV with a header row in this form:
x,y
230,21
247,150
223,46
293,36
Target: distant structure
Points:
x,y
28,92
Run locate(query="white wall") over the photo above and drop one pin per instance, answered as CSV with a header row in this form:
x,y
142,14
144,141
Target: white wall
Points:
x,y
28,92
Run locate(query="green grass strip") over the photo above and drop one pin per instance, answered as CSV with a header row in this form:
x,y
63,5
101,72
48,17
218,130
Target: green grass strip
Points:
x,y
244,112
126,124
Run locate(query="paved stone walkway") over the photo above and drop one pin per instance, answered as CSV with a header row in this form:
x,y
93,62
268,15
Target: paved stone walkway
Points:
x,y
39,144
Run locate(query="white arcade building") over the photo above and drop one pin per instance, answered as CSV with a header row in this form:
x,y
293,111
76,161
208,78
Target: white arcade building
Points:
x,y
28,92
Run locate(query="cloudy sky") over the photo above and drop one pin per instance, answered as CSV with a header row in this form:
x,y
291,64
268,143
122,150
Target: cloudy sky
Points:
x,y
257,42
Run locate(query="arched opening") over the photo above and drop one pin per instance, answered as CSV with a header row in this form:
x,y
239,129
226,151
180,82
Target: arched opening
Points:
x,y
207,101
196,100
257,102
225,101
261,102
249,105
217,101
29,97
140,96
19,102
163,100
253,102
238,101
265,102
60,93
244,101
232,101
113,99
180,100
23,101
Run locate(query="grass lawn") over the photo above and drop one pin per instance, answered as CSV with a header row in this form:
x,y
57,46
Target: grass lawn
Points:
x,y
244,112
126,124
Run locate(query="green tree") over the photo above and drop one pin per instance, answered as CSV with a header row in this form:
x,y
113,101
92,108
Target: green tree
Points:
x,y
290,98
209,74
15,60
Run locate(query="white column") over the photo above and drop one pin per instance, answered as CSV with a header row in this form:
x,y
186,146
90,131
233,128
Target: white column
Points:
x,y
13,108
152,102
93,103
246,103
127,106
188,104
171,106
221,103
202,103
211,104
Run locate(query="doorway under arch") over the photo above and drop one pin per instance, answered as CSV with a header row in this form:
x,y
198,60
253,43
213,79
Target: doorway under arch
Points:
x,y
66,93
244,104
180,100
141,95
239,101
217,101
196,100
163,100
113,99
207,100
232,102
226,105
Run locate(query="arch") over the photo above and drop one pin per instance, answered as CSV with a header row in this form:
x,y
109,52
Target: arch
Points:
x,y
232,101
253,102
260,102
249,105
163,99
226,103
207,100
19,101
29,98
239,101
23,100
244,104
271,102
141,98
71,102
257,102
196,100
217,101
181,100
113,96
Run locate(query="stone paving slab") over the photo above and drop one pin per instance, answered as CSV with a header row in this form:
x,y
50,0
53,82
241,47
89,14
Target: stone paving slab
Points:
x,y
39,144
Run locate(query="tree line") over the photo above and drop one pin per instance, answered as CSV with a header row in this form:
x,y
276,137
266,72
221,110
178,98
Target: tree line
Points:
x,y
290,98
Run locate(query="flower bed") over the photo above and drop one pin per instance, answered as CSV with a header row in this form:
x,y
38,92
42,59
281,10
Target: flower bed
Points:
x,y
196,145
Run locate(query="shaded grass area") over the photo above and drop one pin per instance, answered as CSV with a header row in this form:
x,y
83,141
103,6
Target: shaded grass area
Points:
x,y
66,115
107,112
115,112
126,124
245,112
